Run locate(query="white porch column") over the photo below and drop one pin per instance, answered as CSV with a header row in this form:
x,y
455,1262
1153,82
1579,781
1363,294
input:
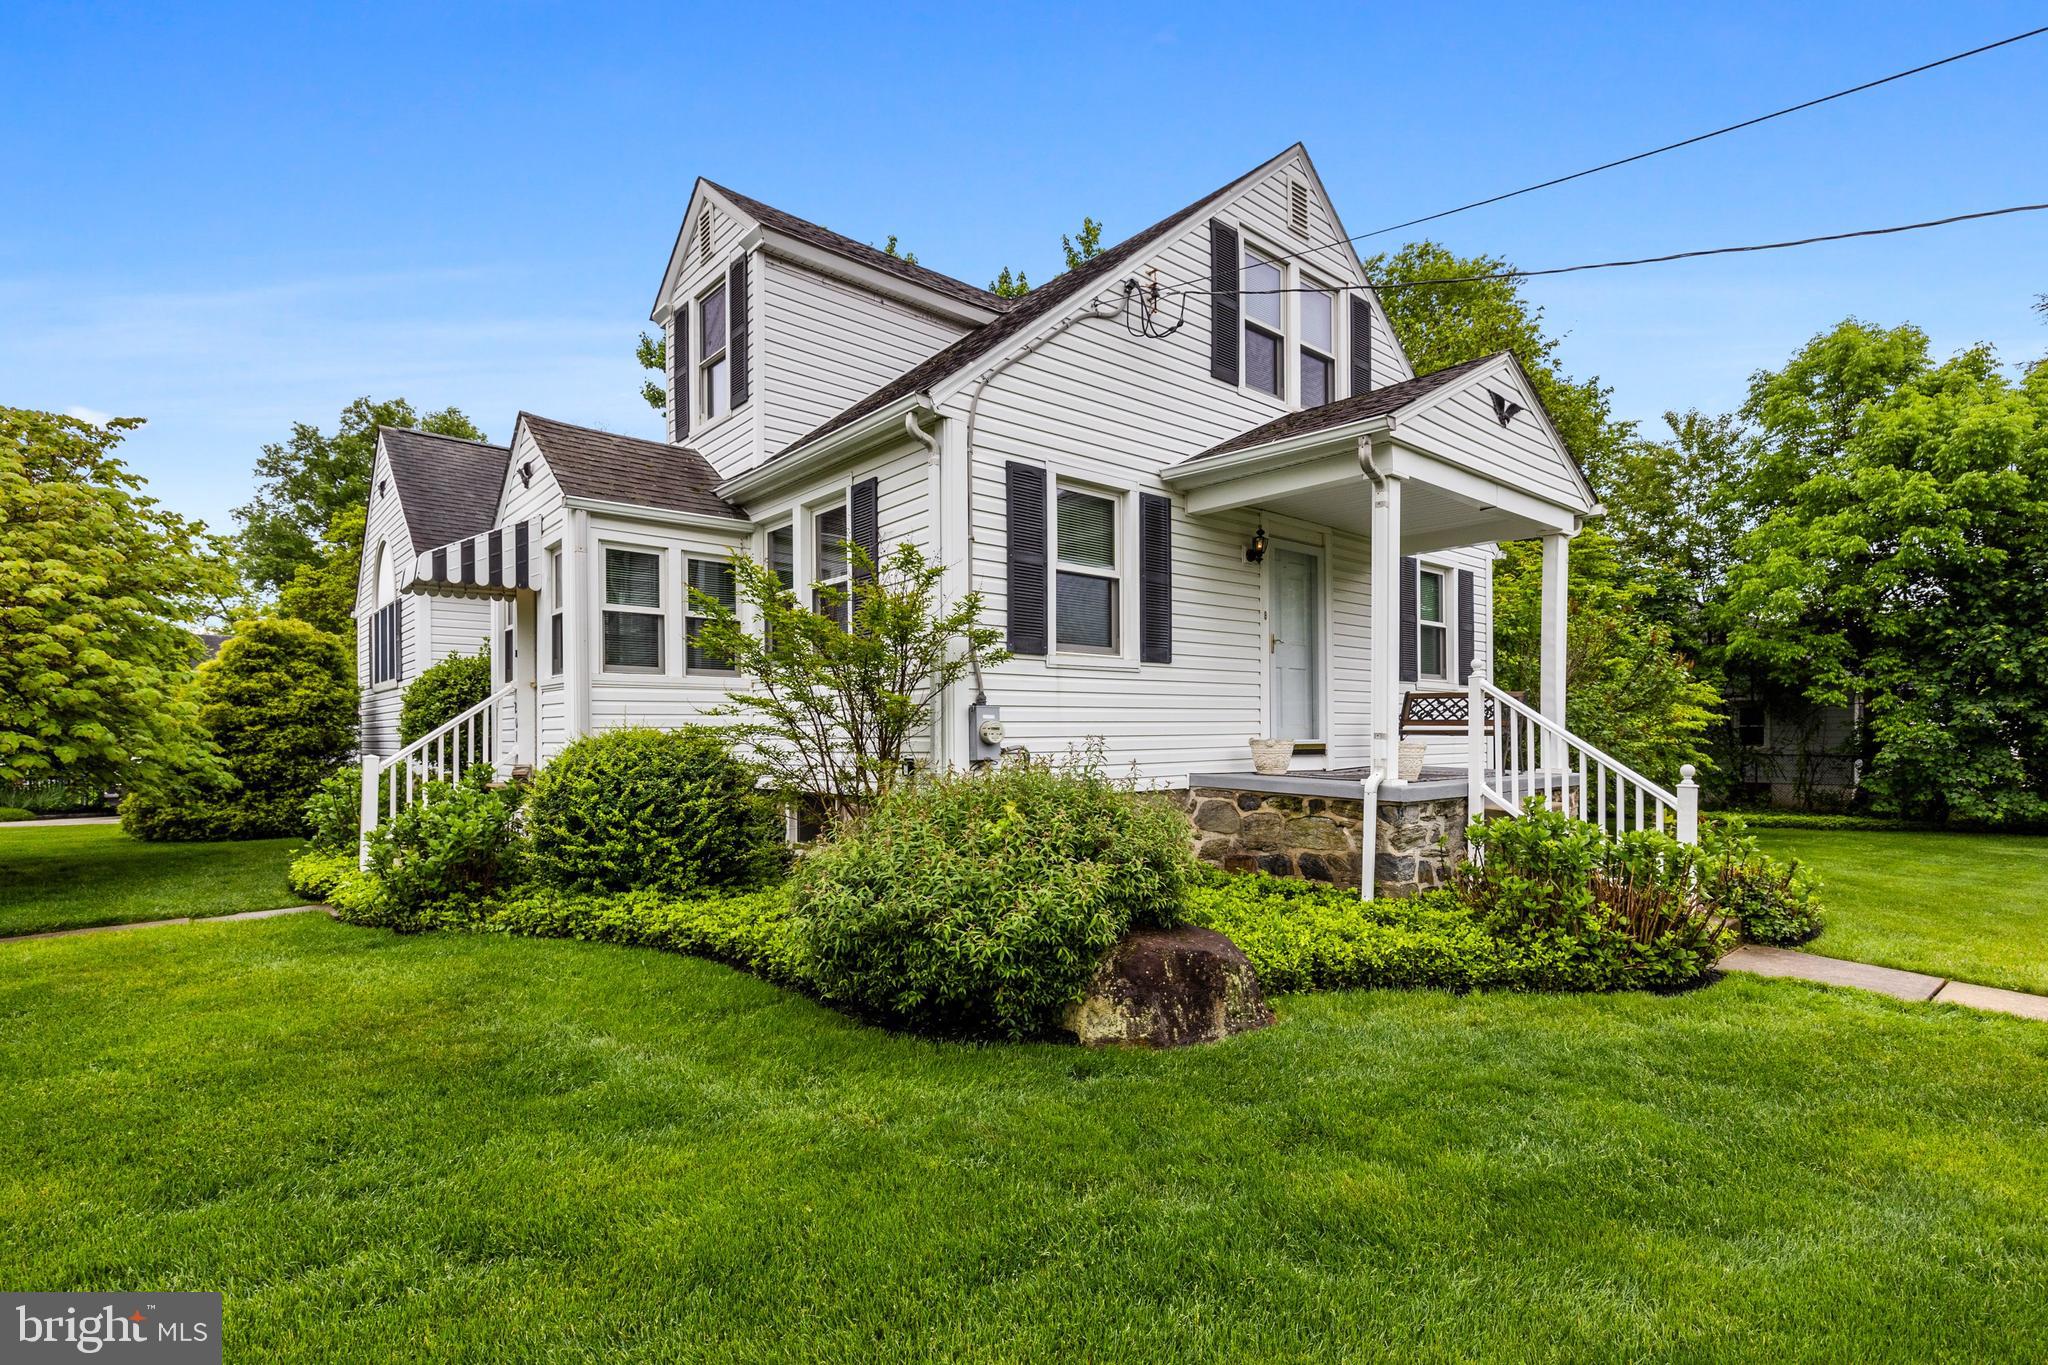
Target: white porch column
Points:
x,y
578,596
525,609
1386,619
1551,646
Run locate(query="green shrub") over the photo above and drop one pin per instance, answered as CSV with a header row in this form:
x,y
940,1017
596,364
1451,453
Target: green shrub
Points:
x,y
751,929
12,813
671,811
442,692
315,873
334,812
51,796
443,854
982,903
1773,902
279,706
1623,911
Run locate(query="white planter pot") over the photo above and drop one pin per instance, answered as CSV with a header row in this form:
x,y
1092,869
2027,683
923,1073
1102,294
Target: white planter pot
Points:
x,y
1271,756
1412,755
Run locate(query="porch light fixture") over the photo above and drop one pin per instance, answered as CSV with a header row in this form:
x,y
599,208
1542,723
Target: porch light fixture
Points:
x,y
1256,551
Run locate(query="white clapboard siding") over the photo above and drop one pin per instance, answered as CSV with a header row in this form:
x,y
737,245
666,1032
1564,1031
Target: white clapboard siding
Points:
x,y
1465,427
733,441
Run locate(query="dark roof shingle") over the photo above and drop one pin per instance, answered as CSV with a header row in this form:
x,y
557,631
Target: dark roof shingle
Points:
x,y
826,239
448,487
603,464
1371,404
1023,313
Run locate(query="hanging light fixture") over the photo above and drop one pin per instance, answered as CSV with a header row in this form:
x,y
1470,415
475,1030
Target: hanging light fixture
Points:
x,y
1256,552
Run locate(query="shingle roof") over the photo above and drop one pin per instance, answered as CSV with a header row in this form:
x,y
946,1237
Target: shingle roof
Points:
x,y
1023,314
826,239
1371,404
448,486
603,464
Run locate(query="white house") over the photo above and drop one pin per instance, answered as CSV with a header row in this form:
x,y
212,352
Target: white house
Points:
x,y
1176,474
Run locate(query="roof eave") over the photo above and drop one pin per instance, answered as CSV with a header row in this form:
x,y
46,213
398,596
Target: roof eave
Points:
x,y
794,465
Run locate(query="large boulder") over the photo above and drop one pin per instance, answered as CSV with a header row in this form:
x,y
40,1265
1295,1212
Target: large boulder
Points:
x,y
1169,988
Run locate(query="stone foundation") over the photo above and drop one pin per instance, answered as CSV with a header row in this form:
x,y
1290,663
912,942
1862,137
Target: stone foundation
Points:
x,y
1316,837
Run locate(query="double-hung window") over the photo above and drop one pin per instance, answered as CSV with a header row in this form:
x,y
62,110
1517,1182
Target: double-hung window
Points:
x,y
1318,347
1086,608
782,555
1264,333
714,389
713,578
830,562
1433,627
633,617
555,613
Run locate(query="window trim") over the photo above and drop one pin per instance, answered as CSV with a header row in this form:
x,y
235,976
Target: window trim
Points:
x,y
1307,283
661,611
1251,238
1247,324
383,595
1447,610
1118,573
839,499
558,639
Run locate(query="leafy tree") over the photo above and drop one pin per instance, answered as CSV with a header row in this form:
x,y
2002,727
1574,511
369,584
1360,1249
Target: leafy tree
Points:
x,y
323,593
831,711
99,591
1008,286
1807,411
652,353
278,704
889,249
1079,249
1911,566
311,479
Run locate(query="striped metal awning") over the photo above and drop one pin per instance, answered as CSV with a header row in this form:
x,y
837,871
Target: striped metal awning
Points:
x,y
494,563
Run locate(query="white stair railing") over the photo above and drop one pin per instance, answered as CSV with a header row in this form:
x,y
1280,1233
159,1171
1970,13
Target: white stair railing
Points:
x,y
443,754
1523,755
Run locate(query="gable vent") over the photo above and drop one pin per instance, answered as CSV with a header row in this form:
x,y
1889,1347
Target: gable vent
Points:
x,y
1297,207
704,237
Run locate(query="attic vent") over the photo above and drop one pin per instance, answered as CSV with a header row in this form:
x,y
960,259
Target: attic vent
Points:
x,y
1297,207
704,237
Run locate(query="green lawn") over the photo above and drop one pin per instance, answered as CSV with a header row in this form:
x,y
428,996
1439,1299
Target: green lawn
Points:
x,y
71,876
502,1149
1969,906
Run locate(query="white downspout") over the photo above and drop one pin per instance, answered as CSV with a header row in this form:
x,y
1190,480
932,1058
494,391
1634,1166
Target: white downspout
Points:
x,y
1369,833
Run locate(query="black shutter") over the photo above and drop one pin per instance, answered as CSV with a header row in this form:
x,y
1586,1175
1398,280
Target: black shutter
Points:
x,y
1025,489
1411,617
1466,626
863,516
736,321
1361,347
679,370
1223,306
1155,579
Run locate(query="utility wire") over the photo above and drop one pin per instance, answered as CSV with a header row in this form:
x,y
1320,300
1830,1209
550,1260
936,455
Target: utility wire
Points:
x,y
1640,260
1671,146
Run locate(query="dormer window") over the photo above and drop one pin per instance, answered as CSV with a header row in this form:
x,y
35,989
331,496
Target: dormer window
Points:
x,y
714,390
1264,339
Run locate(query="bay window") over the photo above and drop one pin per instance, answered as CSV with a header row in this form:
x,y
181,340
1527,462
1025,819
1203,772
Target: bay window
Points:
x,y
713,578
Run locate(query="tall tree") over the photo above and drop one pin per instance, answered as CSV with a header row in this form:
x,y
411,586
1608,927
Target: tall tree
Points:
x,y
652,353
308,480
1912,569
100,591
1078,249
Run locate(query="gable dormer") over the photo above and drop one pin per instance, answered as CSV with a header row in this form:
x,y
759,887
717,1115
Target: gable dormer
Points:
x,y
774,323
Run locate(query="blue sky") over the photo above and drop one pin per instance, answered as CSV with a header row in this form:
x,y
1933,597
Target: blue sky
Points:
x,y
234,217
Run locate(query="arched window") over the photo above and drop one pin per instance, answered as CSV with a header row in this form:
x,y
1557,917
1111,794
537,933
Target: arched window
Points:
x,y
384,643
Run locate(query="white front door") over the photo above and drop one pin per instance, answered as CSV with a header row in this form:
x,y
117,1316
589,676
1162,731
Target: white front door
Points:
x,y
1295,619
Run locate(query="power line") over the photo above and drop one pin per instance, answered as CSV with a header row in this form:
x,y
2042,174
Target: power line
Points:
x,y
1671,146
1639,260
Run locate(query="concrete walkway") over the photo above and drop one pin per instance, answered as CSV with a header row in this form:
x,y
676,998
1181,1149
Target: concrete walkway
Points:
x,y
153,923
61,820
1835,971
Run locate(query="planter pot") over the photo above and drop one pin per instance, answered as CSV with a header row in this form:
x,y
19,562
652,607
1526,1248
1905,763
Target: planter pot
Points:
x,y
1271,756
1412,754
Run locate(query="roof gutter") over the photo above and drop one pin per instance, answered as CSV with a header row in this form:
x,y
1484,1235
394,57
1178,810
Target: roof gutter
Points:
x,y
668,516
789,467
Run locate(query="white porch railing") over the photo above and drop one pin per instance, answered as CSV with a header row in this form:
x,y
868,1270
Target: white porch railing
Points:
x,y
443,754
1525,755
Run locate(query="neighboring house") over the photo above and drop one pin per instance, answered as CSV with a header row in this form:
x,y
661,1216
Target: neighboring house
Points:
x,y
1793,754
1098,469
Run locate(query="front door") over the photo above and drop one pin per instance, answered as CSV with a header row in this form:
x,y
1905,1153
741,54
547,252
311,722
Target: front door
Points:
x,y
1295,620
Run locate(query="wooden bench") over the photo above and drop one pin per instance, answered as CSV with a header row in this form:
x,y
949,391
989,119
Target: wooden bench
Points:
x,y
1440,713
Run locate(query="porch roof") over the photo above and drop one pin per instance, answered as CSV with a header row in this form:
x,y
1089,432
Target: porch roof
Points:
x,y
1479,458
498,563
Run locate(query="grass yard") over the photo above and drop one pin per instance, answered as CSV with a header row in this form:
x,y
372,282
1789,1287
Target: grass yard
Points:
x,y
1969,906
486,1148
72,876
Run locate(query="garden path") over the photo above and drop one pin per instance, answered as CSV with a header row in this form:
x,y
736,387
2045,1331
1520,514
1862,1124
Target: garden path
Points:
x,y
1835,971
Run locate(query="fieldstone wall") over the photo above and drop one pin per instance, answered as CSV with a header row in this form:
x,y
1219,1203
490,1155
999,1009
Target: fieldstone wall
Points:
x,y
1316,837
